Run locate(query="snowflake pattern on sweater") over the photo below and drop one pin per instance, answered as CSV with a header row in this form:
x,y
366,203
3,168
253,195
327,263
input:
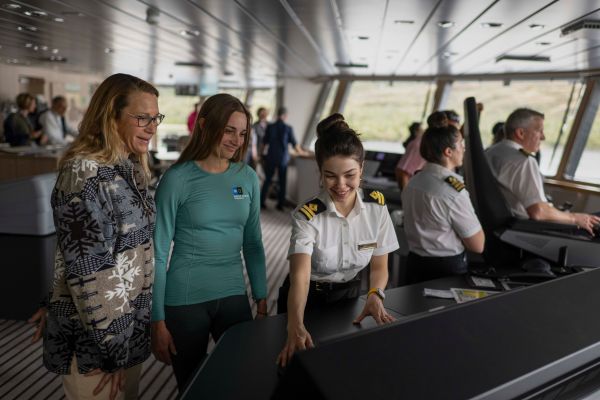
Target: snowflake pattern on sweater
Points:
x,y
100,301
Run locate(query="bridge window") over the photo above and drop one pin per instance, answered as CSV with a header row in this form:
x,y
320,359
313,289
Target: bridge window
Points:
x,y
381,111
588,167
550,97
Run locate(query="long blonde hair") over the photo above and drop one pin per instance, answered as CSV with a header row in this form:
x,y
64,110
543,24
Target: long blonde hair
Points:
x,y
98,137
215,113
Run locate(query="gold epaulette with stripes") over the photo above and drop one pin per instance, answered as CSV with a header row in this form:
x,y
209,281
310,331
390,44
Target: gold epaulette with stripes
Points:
x,y
312,208
455,183
374,196
528,154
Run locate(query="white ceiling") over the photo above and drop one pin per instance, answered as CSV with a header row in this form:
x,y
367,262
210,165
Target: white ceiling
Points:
x,y
252,42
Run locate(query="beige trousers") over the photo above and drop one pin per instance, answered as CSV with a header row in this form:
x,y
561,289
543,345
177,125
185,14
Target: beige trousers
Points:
x,y
81,387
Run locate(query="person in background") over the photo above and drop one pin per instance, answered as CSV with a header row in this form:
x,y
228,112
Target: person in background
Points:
x,y
208,206
453,118
278,137
54,124
260,129
191,120
513,162
334,236
96,327
415,129
18,130
498,132
439,219
412,161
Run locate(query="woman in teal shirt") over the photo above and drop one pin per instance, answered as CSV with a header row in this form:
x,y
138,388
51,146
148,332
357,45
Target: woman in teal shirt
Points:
x,y
208,205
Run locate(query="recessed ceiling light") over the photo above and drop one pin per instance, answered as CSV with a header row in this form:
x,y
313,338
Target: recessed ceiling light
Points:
x,y
59,19
108,50
404,21
445,24
543,43
537,27
39,13
28,13
448,54
508,57
28,45
44,48
12,6
35,48
189,33
362,37
350,65
20,28
54,51
196,64
491,24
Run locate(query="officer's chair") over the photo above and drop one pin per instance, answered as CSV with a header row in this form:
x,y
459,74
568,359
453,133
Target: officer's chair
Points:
x,y
506,236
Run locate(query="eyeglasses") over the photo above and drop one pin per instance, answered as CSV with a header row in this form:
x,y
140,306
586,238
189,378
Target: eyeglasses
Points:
x,y
143,120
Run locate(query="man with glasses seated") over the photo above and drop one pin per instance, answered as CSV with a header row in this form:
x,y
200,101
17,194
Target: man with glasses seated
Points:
x,y
439,219
513,162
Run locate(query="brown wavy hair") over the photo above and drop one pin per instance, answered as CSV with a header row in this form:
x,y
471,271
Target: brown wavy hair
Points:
x,y
98,137
215,113
336,138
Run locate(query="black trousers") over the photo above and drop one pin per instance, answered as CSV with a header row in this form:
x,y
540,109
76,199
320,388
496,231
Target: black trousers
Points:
x,y
420,269
320,293
190,326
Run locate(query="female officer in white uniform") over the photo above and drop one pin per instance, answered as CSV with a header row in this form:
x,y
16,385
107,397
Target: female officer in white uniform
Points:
x,y
334,236
439,219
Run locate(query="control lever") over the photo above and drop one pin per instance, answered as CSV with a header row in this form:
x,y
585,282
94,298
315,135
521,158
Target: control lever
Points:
x,y
563,254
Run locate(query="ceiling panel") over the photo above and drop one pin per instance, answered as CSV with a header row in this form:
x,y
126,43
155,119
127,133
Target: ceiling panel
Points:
x,y
253,42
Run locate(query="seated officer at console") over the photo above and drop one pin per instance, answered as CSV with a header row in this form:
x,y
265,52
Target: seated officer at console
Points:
x,y
513,162
439,219
334,236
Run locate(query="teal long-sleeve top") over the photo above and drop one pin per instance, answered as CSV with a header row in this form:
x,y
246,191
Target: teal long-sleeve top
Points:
x,y
211,218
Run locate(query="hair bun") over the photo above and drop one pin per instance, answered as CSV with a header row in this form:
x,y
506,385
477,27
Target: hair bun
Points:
x,y
333,123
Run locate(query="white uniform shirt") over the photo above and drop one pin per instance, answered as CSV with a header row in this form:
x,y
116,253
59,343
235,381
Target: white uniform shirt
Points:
x,y
341,247
52,127
437,214
518,174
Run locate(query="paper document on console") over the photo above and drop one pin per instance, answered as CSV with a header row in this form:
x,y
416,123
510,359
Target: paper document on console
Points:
x,y
440,294
464,295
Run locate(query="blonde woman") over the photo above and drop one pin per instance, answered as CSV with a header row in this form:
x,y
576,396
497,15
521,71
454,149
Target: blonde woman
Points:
x,y
97,330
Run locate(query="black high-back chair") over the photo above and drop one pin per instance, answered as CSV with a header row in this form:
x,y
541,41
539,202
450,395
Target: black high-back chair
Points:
x,y
488,201
507,237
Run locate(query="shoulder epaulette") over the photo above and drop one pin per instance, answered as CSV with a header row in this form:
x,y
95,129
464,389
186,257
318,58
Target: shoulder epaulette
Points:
x,y
374,196
528,154
312,208
455,183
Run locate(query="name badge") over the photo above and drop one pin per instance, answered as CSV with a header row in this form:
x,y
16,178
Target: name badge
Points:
x,y
367,246
238,193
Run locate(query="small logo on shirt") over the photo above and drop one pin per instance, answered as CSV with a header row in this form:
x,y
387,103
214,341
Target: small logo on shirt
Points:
x,y
238,193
